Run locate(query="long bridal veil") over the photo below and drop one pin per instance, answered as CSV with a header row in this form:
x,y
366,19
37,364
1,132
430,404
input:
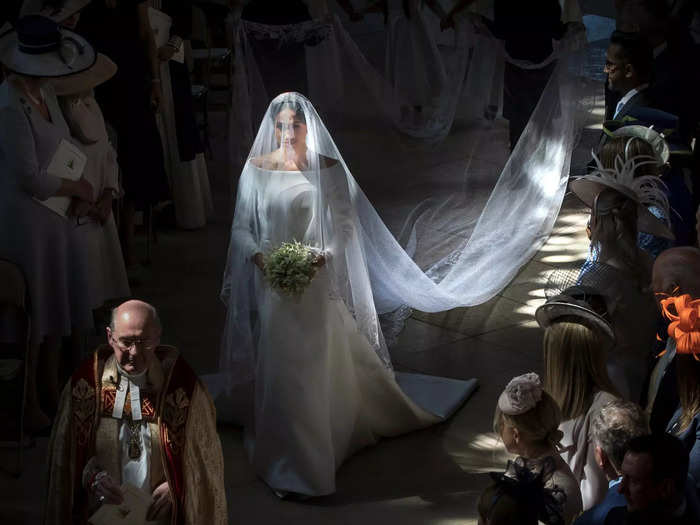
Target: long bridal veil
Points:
x,y
467,214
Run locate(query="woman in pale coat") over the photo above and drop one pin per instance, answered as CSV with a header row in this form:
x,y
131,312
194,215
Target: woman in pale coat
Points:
x,y
576,342
33,236
105,277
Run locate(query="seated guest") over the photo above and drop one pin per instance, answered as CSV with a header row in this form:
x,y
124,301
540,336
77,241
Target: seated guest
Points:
x,y
654,473
628,64
684,313
619,268
675,79
527,419
675,273
612,428
160,438
576,344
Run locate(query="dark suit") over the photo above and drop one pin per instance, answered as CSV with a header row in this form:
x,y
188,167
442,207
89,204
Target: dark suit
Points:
x,y
640,99
597,515
666,400
691,439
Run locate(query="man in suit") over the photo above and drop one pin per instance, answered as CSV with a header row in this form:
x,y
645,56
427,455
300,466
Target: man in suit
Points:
x,y
612,428
628,64
654,477
675,77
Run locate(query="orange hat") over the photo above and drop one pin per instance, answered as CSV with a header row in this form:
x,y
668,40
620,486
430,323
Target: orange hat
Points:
x,y
684,313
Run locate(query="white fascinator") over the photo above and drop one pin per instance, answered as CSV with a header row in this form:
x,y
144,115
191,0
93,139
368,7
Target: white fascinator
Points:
x,y
521,394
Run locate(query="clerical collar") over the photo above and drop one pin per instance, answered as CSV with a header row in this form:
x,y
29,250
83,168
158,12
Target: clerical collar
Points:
x,y
132,384
139,379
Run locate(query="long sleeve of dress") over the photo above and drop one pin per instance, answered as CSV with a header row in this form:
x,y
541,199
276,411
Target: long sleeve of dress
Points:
x,y
342,213
17,142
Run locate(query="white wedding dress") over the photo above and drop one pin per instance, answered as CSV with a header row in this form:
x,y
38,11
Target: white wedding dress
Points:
x,y
321,390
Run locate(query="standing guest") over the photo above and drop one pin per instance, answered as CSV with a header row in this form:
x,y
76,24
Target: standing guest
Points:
x,y
684,313
31,235
576,344
635,142
105,277
185,161
619,268
160,438
528,29
628,64
612,428
527,418
120,29
675,273
654,474
676,79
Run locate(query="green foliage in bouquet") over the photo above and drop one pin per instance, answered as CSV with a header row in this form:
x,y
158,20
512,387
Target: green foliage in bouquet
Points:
x,y
290,268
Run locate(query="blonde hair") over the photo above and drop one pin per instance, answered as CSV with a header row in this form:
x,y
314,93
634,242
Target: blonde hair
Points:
x,y
538,426
575,367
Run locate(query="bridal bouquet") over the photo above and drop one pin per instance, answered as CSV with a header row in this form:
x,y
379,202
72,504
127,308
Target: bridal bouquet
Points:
x,y
291,267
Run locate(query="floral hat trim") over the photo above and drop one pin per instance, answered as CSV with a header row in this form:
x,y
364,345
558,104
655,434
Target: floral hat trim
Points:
x,y
684,314
521,394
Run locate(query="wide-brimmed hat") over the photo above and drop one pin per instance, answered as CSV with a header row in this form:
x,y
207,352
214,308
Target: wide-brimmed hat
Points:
x,y
39,47
101,71
68,9
649,135
588,187
573,305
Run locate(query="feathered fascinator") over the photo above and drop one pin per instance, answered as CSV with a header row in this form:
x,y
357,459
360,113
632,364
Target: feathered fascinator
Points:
x,y
647,190
527,487
521,394
684,314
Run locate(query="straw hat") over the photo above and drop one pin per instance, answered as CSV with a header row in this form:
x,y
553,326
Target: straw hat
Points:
x,y
101,71
588,187
39,47
574,303
646,191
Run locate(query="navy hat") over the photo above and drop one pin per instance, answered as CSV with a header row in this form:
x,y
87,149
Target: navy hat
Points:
x,y
39,47
662,122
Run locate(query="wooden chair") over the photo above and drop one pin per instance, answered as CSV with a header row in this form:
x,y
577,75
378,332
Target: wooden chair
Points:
x,y
15,329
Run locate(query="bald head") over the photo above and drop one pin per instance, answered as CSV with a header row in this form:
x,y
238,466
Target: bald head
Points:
x,y
135,311
134,333
678,271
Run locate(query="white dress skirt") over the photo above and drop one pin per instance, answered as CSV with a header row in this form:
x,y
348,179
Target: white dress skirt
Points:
x,y
321,390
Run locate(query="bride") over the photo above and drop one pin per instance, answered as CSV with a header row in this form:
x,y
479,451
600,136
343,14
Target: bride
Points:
x,y
323,383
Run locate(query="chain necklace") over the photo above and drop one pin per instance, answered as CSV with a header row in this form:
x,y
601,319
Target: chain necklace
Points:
x,y
134,438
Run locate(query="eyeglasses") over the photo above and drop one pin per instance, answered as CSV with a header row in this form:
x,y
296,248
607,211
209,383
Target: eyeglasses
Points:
x,y
611,66
128,344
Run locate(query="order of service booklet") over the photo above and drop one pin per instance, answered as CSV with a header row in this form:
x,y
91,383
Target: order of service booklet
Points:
x,y
67,163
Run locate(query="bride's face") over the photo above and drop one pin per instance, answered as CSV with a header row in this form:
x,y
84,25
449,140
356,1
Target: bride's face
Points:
x,y
290,130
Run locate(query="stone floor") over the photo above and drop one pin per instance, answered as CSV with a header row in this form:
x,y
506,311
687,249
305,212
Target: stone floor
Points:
x,y
432,476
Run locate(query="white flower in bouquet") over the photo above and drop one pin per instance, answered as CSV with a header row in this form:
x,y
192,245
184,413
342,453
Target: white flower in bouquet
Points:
x,y
291,267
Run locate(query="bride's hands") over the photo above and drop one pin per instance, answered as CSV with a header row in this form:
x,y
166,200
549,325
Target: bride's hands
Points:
x,y
320,260
259,261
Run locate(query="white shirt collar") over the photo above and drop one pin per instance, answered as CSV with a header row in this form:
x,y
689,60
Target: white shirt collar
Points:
x,y
624,100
